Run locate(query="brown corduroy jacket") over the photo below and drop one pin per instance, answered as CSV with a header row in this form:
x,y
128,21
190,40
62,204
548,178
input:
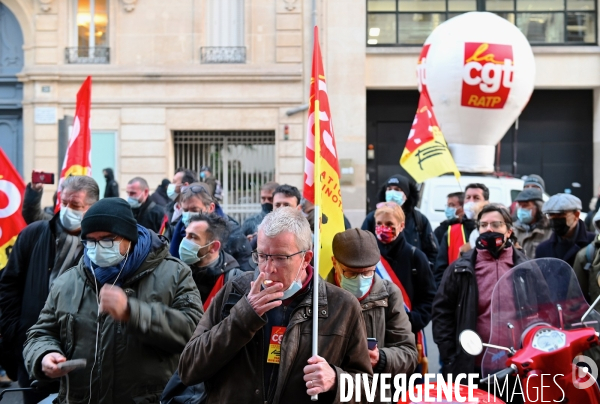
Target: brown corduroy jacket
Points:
x,y
227,354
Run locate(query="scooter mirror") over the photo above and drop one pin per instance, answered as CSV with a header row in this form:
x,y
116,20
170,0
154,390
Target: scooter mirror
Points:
x,y
471,342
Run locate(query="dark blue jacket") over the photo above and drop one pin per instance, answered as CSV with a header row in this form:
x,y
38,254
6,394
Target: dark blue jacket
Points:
x,y
547,249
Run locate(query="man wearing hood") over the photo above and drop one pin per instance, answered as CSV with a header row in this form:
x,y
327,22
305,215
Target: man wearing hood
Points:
x,y
128,308
417,231
250,225
160,196
112,186
569,234
44,250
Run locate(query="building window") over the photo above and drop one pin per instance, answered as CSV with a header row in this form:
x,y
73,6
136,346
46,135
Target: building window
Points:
x,y
543,22
91,32
225,39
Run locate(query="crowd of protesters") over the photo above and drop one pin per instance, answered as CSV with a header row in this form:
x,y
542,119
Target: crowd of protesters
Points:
x,y
167,298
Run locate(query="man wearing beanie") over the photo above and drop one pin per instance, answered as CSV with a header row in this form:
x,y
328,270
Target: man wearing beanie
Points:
x,y
128,308
44,250
355,256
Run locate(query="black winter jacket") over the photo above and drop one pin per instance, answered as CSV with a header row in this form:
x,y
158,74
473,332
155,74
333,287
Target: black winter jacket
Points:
x,y
412,269
24,285
455,310
441,262
112,186
547,249
150,215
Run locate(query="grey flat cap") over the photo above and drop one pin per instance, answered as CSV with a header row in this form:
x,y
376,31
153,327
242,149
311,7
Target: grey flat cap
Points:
x,y
562,203
529,194
356,248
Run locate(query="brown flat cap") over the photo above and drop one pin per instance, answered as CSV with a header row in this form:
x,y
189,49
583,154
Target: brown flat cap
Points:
x,y
356,248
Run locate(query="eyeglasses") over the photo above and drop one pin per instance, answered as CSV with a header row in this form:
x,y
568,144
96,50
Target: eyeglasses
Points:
x,y
276,259
104,243
493,225
354,275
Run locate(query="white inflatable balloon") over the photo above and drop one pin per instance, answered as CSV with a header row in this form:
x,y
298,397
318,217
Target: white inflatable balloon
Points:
x,y
478,70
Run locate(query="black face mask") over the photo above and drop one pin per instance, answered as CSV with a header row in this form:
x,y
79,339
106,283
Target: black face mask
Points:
x,y
267,207
493,242
559,225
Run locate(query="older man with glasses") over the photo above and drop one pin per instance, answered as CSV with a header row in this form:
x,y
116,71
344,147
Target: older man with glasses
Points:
x,y
254,343
196,200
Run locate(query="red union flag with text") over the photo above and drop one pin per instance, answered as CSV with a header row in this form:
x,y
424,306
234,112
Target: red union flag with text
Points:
x,y
12,189
78,159
487,75
319,121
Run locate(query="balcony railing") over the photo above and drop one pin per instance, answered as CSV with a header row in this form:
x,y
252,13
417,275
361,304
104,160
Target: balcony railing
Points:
x,y
85,55
223,54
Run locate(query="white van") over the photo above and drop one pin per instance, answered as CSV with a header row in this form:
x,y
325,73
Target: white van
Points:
x,y
434,193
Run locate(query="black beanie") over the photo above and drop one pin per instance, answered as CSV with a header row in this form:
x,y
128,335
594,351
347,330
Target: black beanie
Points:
x,y
112,215
399,181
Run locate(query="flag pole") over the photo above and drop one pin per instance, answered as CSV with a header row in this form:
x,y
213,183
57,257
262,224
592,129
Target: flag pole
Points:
x,y
317,210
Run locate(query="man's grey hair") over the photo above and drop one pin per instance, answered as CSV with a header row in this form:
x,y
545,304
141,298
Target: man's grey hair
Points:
x,y
76,183
143,182
291,220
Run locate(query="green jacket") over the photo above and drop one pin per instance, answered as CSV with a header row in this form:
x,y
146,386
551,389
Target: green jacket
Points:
x,y
134,360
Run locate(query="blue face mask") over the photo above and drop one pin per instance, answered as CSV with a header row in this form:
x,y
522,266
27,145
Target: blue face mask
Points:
x,y
295,287
134,203
187,216
524,215
172,191
358,286
105,257
395,196
450,213
188,251
202,175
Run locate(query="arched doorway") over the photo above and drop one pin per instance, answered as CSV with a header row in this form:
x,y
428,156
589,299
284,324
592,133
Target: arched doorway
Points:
x,y
11,91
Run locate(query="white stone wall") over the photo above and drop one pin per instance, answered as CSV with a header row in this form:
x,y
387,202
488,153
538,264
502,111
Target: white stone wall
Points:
x,y
155,83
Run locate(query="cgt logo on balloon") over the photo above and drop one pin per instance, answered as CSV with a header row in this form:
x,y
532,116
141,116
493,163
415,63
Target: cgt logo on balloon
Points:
x,y
487,75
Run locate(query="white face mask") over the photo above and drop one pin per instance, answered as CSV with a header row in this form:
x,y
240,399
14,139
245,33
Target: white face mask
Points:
x,y
469,209
70,218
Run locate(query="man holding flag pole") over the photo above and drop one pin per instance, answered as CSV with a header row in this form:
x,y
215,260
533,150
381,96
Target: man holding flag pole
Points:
x,y
255,339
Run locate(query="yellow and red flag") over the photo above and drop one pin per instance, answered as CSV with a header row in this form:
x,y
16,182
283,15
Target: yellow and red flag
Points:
x,y
426,154
78,159
321,158
12,190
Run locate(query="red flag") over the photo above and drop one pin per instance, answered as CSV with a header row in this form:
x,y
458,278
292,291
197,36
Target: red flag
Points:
x,y
12,190
323,190
78,159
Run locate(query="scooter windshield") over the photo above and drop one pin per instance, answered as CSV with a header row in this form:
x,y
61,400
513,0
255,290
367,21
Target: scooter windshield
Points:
x,y
538,292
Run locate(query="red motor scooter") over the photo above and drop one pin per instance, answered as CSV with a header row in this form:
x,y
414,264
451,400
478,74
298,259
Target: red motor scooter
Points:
x,y
541,325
